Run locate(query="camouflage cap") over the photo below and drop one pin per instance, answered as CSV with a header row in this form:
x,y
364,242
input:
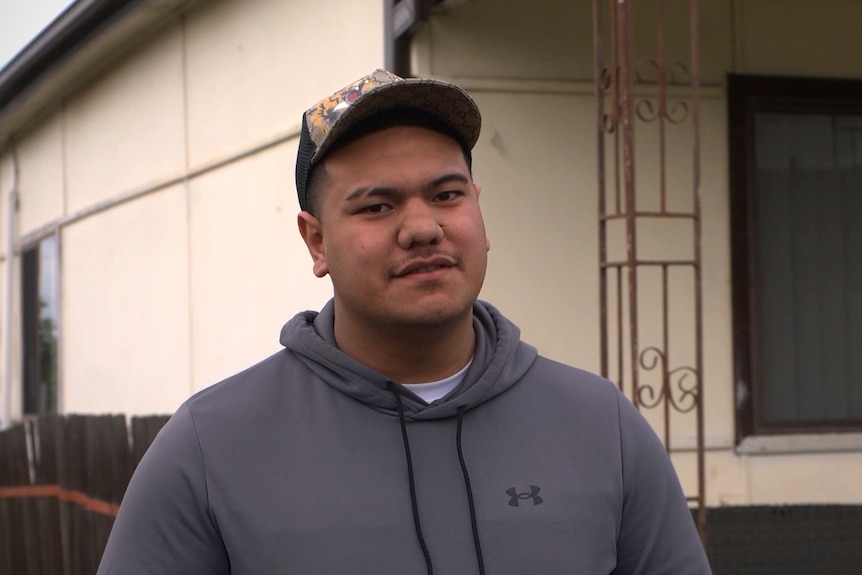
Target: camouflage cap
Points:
x,y
328,120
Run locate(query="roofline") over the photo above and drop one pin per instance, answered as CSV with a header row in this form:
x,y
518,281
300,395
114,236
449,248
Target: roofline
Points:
x,y
88,36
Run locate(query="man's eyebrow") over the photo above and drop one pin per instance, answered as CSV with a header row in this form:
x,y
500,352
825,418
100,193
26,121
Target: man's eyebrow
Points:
x,y
389,192
447,178
366,191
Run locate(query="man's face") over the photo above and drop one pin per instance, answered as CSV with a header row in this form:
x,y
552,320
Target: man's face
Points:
x,y
399,230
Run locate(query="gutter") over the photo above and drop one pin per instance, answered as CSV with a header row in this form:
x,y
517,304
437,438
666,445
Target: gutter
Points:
x,y
85,39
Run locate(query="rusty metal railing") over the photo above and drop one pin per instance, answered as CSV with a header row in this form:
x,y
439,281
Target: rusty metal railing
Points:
x,y
631,92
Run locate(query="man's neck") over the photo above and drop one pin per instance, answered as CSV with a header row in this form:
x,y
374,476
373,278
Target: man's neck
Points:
x,y
408,354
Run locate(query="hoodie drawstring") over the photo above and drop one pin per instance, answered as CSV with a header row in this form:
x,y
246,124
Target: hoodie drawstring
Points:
x,y
413,499
473,522
416,522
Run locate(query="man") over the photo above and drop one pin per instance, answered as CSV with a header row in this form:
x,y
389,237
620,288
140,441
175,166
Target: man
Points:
x,y
405,428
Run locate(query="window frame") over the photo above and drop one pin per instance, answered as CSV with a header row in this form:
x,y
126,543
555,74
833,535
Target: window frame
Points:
x,y
31,324
748,95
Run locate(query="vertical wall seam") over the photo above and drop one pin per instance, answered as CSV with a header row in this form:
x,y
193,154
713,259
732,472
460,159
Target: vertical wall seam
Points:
x,y
64,184
9,280
188,203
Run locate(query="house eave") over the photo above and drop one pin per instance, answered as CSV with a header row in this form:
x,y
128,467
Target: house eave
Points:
x,y
83,40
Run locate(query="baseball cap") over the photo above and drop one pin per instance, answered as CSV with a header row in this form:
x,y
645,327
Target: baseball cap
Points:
x,y
327,121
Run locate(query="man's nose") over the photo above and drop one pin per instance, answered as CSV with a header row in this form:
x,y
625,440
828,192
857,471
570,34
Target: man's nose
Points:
x,y
419,226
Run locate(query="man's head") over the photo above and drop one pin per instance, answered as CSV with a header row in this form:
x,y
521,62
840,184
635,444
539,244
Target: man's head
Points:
x,y
317,178
390,210
351,111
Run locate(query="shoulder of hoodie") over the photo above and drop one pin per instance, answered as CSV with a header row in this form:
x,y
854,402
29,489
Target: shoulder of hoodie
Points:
x,y
256,386
579,382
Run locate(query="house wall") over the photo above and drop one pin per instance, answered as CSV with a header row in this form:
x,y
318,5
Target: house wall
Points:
x,y
188,144
531,69
170,180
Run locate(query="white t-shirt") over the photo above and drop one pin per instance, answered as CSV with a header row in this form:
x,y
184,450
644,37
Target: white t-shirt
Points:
x,y
437,389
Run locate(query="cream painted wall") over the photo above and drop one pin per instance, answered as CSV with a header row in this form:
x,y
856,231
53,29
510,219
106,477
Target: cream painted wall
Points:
x,y
41,169
125,308
726,477
206,271
810,478
553,40
530,68
127,128
799,37
271,60
250,269
542,270
541,211
168,293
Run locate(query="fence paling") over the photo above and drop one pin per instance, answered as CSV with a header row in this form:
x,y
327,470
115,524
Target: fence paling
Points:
x,y
59,494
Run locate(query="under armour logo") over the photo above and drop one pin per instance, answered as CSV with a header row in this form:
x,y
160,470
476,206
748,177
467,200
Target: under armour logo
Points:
x,y
533,494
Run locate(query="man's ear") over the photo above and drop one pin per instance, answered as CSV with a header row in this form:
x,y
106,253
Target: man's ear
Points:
x,y
478,188
312,233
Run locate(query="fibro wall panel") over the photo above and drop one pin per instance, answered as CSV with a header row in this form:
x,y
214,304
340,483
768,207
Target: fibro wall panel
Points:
x,y
805,478
124,308
553,39
251,271
536,161
126,129
254,67
41,165
799,37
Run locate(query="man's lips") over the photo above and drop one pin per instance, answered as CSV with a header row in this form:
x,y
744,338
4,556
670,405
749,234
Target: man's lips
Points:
x,y
424,265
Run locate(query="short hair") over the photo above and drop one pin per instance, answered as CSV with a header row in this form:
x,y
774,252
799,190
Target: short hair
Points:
x,y
384,120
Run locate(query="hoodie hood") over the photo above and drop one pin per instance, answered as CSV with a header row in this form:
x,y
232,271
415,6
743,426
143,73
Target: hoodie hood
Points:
x,y
500,360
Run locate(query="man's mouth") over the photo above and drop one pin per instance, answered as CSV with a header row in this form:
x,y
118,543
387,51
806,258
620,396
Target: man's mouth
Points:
x,y
426,265
425,269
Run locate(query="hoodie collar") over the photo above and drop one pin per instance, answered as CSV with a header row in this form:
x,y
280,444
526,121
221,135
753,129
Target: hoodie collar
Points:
x,y
500,360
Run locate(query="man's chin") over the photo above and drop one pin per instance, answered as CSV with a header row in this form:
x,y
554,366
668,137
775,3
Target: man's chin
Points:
x,y
430,315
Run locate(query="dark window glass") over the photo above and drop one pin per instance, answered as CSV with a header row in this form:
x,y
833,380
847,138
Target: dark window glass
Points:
x,y
796,201
40,301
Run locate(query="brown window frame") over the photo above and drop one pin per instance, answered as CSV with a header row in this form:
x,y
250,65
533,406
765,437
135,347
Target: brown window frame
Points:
x,y
748,95
39,334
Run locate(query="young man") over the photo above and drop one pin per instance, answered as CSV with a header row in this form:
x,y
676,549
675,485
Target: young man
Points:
x,y
405,428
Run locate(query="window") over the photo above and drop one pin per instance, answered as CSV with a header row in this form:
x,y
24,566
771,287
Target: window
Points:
x,y
796,229
39,296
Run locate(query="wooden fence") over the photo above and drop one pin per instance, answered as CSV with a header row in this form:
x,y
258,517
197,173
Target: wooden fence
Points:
x,y
61,482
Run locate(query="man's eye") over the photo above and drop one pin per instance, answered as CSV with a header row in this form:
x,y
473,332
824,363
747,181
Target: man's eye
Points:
x,y
446,196
376,209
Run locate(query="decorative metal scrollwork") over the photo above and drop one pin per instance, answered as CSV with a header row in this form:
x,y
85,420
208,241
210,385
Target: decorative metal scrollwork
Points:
x,y
677,382
679,74
647,72
675,114
606,82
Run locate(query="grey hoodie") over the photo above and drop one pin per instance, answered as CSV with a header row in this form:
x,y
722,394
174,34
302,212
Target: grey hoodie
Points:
x,y
305,464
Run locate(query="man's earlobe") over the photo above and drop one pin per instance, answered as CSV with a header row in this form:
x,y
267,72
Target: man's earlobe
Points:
x,y
312,234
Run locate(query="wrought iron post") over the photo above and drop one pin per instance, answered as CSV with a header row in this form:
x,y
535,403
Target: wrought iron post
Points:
x,y
620,106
